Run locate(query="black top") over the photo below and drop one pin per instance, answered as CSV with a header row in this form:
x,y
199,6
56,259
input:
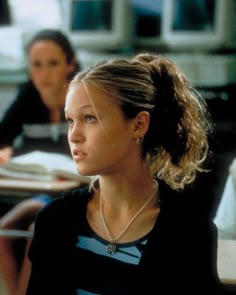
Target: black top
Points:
x,y
180,256
30,118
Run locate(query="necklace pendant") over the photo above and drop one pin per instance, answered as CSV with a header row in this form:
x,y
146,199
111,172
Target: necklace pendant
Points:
x,y
111,248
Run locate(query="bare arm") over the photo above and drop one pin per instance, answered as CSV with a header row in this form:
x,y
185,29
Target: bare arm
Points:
x,y
15,276
5,154
25,209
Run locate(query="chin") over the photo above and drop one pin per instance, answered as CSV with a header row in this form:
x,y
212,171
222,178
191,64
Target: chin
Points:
x,y
85,172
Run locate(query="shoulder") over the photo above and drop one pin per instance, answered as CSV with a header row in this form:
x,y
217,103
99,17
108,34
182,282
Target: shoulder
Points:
x,y
186,229
188,198
27,87
61,217
186,210
174,200
66,206
28,91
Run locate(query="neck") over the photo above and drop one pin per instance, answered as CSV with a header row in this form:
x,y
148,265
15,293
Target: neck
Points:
x,y
55,100
55,103
125,195
111,247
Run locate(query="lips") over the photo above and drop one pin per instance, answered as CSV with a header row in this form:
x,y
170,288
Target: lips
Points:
x,y
78,155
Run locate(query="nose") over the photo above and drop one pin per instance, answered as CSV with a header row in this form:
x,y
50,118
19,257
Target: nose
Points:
x,y
45,72
75,135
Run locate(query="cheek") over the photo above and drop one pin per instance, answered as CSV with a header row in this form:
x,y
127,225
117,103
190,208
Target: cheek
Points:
x,y
98,139
113,145
99,144
61,74
34,74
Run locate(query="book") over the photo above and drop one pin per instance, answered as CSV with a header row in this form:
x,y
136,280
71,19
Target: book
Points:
x,y
42,166
10,185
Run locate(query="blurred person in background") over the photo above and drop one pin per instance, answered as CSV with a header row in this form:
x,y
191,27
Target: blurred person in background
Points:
x,y
36,117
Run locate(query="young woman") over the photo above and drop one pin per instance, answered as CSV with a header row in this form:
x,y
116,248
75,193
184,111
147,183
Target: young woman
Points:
x,y
37,116
139,229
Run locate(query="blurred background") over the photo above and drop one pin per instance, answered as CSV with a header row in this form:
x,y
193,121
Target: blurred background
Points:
x,y
199,35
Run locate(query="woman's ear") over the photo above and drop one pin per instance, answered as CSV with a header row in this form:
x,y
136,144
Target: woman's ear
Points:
x,y
141,124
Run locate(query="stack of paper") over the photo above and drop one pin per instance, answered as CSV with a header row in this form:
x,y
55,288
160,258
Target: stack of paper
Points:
x,y
42,166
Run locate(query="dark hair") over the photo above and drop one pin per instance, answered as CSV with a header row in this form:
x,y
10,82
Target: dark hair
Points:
x,y
176,143
61,40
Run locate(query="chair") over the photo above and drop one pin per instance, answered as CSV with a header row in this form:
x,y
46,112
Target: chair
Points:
x,y
16,231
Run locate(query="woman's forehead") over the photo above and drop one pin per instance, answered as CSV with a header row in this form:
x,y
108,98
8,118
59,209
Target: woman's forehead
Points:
x,y
81,95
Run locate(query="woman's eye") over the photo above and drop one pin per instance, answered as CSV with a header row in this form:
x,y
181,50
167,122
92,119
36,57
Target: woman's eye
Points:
x,y
90,118
53,63
69,121
36,64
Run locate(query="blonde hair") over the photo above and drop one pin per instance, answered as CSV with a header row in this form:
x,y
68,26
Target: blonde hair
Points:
x,y
176,144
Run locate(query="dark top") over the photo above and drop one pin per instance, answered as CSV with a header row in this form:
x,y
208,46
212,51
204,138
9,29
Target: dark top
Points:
x,y
29,117
180,255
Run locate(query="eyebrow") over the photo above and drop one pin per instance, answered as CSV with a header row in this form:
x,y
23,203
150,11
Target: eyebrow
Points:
x,y
83,107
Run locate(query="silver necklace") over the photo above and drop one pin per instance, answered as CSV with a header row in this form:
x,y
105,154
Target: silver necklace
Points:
x,y
111,247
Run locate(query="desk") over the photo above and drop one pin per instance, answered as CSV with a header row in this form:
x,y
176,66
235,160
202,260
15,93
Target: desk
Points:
x,y
14,190
227,261
32,185
225,218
